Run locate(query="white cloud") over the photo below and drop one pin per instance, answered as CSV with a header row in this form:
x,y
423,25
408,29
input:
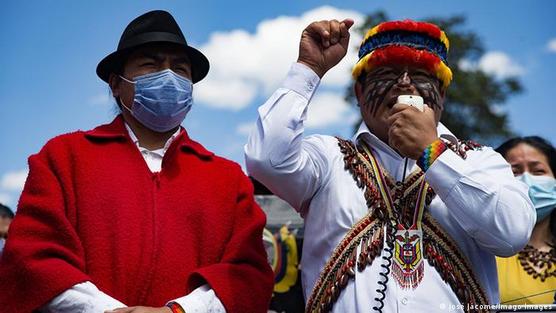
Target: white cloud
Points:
x,y
13,181
551,45
245,129
467,65
5,199
495,63
232,94
499,109
257,62
500,65
11,185
328,109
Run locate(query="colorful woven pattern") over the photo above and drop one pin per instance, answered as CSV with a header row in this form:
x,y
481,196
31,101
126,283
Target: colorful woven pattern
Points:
x,y
431,153
176,308
405,43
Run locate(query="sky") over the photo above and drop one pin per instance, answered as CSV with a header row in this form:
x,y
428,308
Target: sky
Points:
x,y
50,49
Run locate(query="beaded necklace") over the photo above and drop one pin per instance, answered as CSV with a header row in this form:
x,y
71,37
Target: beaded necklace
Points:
x,y
408,268
538,264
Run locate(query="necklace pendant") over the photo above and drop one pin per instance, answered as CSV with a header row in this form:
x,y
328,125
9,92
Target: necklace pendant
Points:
x,y
408,268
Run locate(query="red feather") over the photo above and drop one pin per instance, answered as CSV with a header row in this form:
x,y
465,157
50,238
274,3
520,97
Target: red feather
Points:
x,y
410,25
404,56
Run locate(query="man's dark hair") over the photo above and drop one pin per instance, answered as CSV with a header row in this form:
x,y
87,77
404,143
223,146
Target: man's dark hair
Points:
x,y
5,211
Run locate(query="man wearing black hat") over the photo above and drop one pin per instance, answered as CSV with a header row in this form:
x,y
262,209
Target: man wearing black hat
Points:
x,y
135,212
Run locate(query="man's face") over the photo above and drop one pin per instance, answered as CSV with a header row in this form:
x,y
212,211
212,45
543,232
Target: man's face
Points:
x,y
378,92
145,60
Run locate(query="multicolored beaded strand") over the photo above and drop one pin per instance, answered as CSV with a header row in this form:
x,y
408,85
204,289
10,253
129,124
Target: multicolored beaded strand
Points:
x,y
176,308
431,153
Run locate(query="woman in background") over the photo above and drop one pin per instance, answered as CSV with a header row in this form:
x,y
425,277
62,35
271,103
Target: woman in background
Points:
x,y
529,277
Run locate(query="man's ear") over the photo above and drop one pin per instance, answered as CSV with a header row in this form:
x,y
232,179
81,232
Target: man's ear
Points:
x,y
358,89
438,113
442,97
114,83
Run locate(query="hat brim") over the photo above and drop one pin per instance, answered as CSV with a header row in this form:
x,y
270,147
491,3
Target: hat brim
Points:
x,y
199,62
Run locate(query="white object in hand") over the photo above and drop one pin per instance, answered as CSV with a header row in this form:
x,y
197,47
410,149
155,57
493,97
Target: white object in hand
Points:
x,y
415,101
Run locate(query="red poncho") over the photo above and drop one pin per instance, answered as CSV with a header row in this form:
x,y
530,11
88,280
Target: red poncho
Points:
x,y
91,210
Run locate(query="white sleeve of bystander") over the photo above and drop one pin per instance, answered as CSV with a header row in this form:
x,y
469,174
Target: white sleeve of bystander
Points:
x,y
82,297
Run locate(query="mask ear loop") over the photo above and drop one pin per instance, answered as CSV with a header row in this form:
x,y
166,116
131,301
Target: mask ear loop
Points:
x,y
127,80
121,101
125,106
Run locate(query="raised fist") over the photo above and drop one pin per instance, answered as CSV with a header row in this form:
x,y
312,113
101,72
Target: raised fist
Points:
x,y
323,44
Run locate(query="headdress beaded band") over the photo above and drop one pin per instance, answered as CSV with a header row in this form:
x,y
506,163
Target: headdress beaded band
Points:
x,y
405,43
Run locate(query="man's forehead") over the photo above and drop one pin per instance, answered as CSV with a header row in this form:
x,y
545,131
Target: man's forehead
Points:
x,y
400,68
4,215
388,71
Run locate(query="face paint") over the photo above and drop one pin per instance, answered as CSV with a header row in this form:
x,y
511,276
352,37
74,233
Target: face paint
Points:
x,y
379,84
430,93
378,88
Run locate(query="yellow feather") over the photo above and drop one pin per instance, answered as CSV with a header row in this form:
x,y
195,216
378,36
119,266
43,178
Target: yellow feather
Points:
x,y
444,40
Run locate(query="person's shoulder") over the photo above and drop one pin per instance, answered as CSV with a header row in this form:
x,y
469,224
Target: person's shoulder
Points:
x,y
223,170
210,157
59,149
224,162
64,141
326,143
113,130
69,136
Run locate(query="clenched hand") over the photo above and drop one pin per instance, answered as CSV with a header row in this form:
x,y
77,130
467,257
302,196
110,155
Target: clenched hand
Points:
x,y
323,44
410,130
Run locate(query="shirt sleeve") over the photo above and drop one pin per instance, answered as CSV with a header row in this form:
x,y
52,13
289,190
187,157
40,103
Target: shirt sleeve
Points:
x,y
276,153
485,199
201,300
83,297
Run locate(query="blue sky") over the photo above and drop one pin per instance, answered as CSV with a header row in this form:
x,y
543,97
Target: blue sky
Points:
x,y
50,50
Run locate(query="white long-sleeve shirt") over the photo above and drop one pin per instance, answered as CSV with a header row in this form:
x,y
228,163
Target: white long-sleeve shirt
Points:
x,y
87,298
479,203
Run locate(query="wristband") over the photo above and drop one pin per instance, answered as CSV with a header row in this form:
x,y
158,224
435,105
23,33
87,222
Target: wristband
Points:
x,y
431,153
176,308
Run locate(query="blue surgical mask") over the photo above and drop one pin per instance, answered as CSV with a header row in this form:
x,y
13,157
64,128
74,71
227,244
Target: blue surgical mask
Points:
x,y
542,191
162,99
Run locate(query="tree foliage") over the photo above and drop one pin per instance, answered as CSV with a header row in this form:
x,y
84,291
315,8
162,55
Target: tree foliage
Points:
x,y
474,100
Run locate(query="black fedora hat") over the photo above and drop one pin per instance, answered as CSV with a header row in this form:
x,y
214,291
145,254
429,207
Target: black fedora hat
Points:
x,y
152,27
